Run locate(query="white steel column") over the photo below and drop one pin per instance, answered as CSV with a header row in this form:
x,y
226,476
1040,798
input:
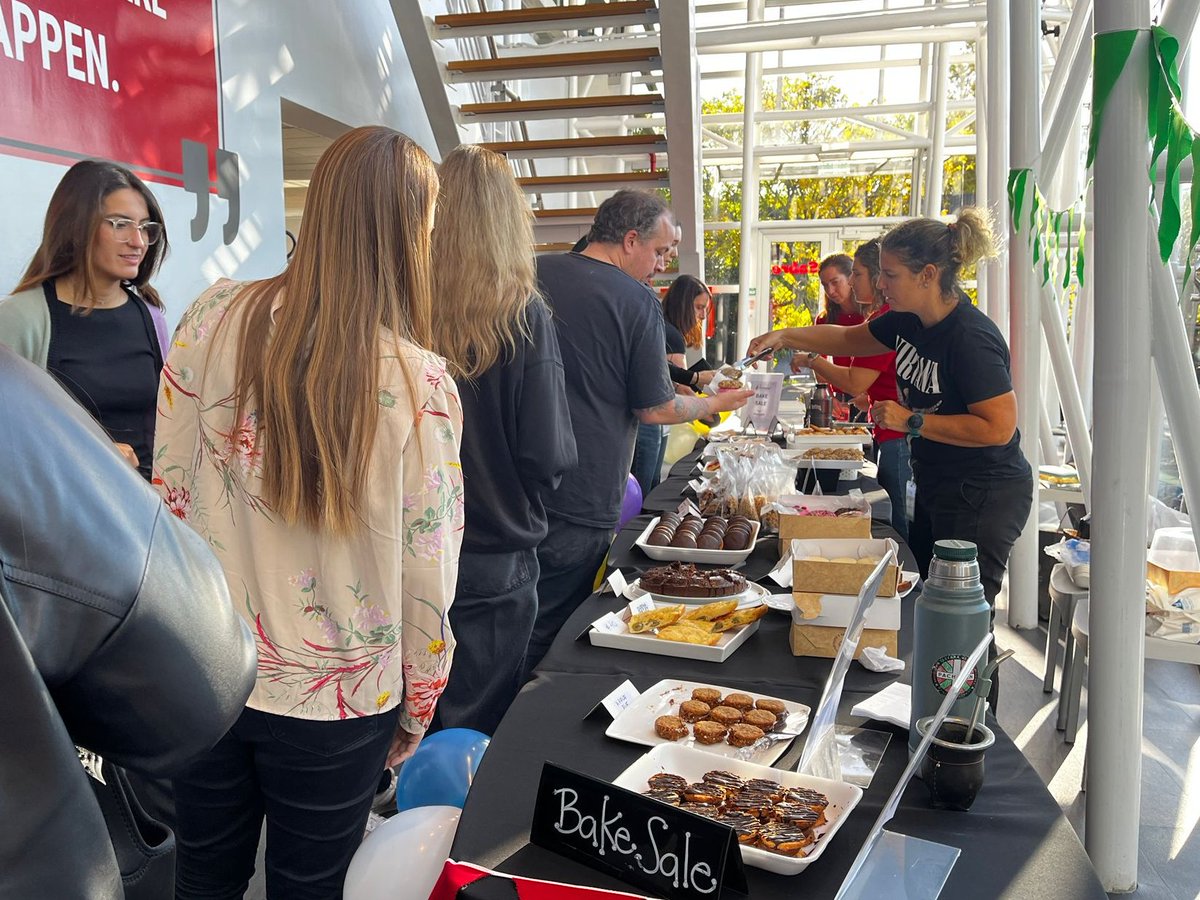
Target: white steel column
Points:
x,y
1068,390
1066,114
1122,380
1078,36
681,83
1083,320
1024,332
983,293
748,258
937,132
999,58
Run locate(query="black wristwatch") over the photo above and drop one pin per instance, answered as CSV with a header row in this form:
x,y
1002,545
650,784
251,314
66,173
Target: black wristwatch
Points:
x,y
915,421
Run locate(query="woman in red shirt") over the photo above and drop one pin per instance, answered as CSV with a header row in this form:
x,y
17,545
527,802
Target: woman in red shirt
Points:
x,y
870,379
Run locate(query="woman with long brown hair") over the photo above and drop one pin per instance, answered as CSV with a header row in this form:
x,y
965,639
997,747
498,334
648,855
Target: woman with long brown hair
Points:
x,y
495,331
306,435
85,310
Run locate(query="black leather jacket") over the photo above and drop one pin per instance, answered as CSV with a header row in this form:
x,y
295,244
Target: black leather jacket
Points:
x,y
116,633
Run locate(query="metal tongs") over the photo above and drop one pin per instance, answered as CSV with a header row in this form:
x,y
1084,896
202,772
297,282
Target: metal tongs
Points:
x,y
747,362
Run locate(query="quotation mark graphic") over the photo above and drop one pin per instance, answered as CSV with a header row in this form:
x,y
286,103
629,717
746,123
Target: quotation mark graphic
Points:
x,y
195,181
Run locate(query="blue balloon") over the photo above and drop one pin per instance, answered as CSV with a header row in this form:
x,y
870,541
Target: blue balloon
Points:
x,y
439,773
631,506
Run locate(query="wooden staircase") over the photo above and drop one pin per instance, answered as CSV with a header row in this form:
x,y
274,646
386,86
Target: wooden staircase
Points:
x,y
518,68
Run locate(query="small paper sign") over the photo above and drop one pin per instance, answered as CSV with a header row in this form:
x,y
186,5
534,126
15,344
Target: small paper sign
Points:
x,y
621,699
688,508
617,582
610,623
641,604
669,852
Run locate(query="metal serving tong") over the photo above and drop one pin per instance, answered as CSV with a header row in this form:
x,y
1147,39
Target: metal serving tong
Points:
x,y
748,361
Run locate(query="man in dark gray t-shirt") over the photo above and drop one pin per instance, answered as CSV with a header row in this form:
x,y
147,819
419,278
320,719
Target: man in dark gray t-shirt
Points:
x,y
610,332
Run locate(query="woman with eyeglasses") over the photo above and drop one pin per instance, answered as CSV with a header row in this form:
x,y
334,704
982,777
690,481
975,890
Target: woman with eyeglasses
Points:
x,y
85,311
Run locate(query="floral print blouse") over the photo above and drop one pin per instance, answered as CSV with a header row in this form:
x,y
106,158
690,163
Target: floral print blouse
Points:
x,y
344,626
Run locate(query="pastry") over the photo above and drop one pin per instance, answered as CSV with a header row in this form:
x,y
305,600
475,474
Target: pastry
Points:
x,y
710,611
744,825
707,695
784,838
744,735
721,778
665,795
764,785
741,617
708,732
684,540
655,618
726,715
760,717
704,792
693,710
670,728
708,541
799,815
741,702
708,810
667,781
688,633
774,706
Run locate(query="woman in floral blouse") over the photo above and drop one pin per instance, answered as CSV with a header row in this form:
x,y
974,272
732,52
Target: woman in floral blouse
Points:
x,y
304,433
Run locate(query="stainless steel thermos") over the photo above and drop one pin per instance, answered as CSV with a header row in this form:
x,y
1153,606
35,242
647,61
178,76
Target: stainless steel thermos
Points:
x,y
952,616
820,407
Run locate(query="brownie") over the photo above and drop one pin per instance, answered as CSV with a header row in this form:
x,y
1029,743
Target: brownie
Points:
x,y
685,580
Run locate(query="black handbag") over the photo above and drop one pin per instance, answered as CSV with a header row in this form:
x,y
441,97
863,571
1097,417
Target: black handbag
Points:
x,y
144,847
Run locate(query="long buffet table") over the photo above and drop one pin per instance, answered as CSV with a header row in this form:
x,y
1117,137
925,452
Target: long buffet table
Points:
x,y
1015,842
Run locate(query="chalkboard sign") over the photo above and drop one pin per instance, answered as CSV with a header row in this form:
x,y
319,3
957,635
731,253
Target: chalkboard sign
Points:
x,y
643,842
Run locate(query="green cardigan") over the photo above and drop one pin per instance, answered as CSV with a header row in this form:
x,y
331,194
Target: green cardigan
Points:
x,y
25,325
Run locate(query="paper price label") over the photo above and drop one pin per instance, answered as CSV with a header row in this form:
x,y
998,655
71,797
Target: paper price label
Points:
x,y
617,582
610,623
641,605
621,699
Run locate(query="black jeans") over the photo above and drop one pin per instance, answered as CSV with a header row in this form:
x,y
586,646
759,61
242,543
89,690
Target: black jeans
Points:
x,y
314,782
492,618
569,558
988,512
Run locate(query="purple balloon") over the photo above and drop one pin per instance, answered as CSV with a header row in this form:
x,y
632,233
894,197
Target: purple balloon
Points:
x,y
631,506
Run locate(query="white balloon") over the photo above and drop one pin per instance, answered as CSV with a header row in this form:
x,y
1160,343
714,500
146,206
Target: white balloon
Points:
x,y
404,856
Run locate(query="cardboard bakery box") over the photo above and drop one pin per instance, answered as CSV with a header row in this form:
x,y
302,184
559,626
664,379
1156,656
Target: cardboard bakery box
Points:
x,y
841,566
824,641
835,610
799,526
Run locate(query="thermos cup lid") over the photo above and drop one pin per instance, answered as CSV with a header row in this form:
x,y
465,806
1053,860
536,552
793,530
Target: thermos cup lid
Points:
x,y
954,550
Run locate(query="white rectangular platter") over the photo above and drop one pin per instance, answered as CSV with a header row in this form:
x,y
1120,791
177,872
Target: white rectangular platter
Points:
x,y
692,764
648,643
684,554
636,723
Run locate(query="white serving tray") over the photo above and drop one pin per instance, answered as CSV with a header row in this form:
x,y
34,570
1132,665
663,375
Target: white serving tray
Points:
x,y
649,643
684,554
796,455
692,764
636,723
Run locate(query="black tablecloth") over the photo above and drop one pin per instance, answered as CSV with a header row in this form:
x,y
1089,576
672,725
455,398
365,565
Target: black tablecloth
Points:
x,y
1015,842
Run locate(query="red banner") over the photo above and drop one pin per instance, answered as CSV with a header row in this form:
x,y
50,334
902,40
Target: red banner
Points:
x,y
126,80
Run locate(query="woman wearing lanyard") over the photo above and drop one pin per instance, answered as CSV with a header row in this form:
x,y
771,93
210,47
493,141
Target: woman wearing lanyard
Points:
x,y
872,379
955,397
85,311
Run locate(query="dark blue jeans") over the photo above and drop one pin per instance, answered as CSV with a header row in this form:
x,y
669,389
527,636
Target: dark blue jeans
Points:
x,y
569,559
894,473
647,457
314,783
492,618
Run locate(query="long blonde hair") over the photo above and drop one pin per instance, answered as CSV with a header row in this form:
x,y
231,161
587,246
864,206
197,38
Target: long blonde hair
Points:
x,y
483,269
359,277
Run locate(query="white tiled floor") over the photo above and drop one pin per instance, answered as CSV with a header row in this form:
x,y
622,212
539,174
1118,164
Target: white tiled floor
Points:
x,y
1169,867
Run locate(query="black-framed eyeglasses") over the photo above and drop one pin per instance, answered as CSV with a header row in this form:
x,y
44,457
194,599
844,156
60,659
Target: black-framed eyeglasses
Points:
x,y
123,229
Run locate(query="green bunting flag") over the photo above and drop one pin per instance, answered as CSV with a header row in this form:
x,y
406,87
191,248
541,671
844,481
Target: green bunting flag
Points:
x,y
1049,230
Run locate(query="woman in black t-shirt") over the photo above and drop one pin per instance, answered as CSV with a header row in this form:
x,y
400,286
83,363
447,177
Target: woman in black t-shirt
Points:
x,y
955,397
85,311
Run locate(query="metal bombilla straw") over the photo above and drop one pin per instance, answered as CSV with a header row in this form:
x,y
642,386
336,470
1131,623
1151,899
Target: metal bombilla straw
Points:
x,y
982,689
